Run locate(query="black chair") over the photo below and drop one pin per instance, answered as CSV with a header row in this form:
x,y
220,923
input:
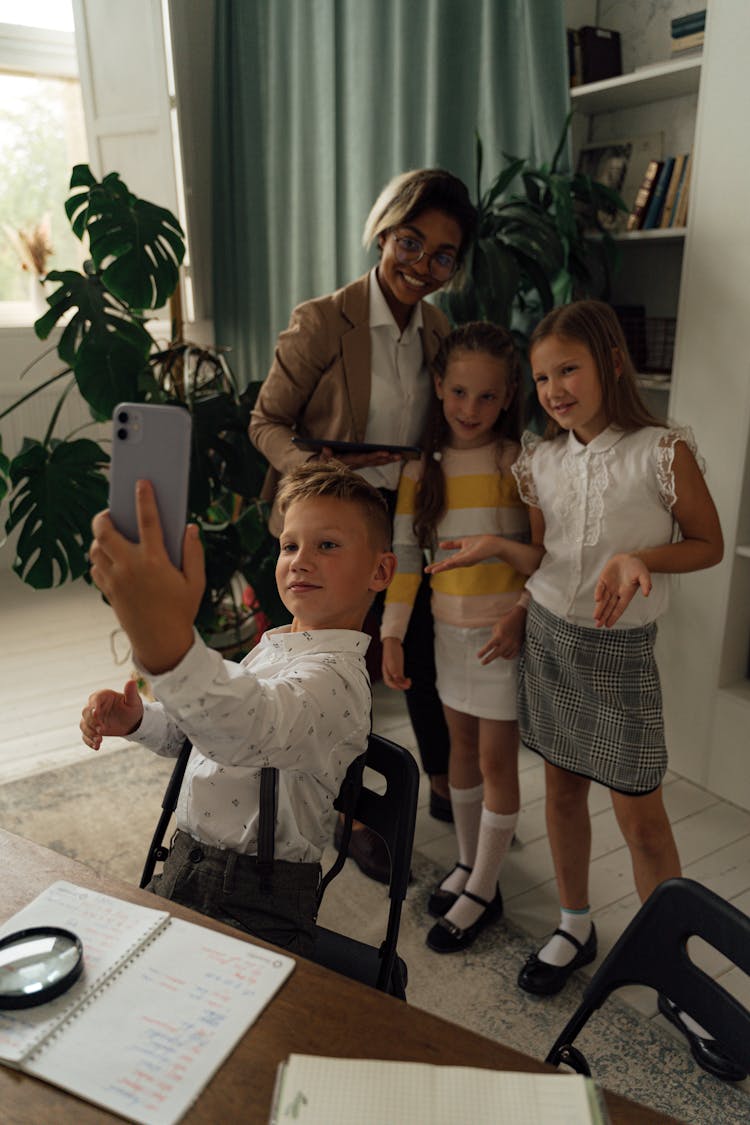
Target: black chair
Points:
x,y
653,951
392,815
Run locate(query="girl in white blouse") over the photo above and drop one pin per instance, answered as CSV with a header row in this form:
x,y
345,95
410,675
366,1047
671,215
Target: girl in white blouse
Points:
x,y
619,503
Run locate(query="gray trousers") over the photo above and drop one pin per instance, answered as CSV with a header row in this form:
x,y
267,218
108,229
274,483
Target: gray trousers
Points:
x,y
277,904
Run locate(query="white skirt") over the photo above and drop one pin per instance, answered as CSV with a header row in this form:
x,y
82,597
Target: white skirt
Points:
x,y
487,691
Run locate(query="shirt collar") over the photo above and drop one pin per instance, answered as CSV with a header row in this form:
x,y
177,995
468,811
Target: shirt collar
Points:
x,y
600,444
282,640
381,316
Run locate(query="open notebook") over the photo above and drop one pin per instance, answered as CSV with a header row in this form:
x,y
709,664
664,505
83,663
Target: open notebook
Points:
x,y
312,1090
159,1005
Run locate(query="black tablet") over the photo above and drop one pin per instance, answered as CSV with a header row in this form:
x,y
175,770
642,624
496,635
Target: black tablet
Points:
x,y
315,445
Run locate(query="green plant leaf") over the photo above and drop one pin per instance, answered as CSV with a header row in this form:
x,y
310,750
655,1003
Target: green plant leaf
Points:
x,y
504,179
497,277
137,245
57,493
4,472
106,348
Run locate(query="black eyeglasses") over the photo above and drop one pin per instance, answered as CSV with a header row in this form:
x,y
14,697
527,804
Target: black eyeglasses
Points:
x,y
409,251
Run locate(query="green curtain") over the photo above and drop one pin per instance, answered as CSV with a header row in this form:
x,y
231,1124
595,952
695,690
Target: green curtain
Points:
x,y
317,103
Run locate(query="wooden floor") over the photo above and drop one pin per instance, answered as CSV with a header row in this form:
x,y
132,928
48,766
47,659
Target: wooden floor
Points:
x,y
59,645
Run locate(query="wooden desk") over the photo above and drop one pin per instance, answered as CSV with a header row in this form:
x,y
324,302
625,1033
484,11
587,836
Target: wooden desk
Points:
x,y
316,1012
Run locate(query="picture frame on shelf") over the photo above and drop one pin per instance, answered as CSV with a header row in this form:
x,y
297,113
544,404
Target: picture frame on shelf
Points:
x,y
620,164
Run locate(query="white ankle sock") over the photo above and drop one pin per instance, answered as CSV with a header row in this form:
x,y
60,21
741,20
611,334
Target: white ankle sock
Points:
x,y
558,951
495,834
467,810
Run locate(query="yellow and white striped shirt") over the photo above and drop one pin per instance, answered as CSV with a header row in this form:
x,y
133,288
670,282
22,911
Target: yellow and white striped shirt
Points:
x,y
481,498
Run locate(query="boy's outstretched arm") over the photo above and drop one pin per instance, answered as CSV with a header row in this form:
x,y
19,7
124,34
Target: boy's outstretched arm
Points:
x,y
111,713
154,602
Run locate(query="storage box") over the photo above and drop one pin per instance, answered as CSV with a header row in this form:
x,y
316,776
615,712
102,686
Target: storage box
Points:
x,y
600,53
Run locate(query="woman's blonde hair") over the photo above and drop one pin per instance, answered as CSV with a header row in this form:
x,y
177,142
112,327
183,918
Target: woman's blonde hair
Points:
x,y
595,325
423,189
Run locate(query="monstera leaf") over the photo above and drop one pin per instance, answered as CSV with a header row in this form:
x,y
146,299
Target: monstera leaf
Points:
x,y
57,492
137,246
106,348
4,471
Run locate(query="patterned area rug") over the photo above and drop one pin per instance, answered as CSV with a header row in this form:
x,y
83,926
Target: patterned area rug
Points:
x,y
103,812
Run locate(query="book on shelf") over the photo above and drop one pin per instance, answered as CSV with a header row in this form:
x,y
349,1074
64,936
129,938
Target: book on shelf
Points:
x,y
315,1090
681,206
687,43
656,202
687,24
155,991
643,195
675,181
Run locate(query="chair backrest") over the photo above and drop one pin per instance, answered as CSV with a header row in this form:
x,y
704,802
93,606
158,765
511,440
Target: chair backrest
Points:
x,y
653,951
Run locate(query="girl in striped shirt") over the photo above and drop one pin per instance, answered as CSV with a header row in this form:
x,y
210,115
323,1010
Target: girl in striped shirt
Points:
x,y
463,486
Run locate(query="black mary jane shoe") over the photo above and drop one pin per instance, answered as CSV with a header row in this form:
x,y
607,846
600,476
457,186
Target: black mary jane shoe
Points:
x,y
444,937
440,901
545,980
706,1052
440,807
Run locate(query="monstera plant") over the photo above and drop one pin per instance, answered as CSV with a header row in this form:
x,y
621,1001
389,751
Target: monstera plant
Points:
x,y
55,484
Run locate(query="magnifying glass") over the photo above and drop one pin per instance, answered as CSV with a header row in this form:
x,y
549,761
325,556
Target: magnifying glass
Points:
x,y
38,964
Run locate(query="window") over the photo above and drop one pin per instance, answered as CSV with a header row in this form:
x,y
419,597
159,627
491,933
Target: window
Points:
x,y
42,135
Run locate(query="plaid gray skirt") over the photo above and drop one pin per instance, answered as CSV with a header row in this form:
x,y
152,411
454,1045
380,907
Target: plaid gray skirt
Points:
x,y
589,701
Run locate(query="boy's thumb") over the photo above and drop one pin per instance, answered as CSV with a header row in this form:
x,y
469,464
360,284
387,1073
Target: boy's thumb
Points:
x,y
131,693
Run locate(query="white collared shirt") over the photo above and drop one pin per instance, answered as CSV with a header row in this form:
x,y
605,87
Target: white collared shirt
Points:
x,y
399,384
298,701
613,495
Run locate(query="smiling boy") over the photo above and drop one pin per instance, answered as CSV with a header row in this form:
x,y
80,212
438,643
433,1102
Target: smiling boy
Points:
x,y
299,703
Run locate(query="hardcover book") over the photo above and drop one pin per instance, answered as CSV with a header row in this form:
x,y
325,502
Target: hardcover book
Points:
x,y
643,196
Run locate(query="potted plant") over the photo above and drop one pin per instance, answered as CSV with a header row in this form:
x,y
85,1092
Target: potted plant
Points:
x,y
532,249
55,485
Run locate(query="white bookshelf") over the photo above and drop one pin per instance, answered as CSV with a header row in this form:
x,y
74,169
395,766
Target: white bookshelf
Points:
x,y
658,82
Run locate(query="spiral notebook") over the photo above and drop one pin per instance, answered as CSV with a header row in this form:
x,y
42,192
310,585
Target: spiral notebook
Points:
x,y
312,1090
159,1006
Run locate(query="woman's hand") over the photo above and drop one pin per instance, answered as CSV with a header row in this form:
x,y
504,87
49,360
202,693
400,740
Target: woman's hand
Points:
x,y
359,460
393,665
111,713
470,550
618,584
507,636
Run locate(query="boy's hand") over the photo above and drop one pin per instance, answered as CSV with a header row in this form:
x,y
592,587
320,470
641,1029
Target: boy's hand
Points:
x,y
155,602
618,584
111,713
393,664
470,550
507,636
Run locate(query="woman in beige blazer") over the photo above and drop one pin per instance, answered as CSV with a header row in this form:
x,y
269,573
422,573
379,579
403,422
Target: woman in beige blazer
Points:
x,y
355,366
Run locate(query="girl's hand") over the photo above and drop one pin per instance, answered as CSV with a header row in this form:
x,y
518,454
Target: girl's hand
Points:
x,y
393,664
470,550
618,584
507,636
111,713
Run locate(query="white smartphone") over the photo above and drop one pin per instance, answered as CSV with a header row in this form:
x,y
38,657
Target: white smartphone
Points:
x,y
152,443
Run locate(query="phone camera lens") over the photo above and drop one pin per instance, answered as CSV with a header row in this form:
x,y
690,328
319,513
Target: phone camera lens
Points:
x,y
122,416
122,434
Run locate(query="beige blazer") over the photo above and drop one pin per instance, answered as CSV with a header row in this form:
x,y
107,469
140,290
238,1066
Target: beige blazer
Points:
x,y
319,382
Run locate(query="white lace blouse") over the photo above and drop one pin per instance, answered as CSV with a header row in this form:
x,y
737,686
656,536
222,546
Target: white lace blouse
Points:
x,y
610,496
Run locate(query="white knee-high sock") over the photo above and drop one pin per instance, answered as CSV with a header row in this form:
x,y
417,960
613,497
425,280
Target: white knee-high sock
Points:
x,y
560,952
467,810
495,834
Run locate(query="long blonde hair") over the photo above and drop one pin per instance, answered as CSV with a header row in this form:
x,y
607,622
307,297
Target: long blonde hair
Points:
x,y
595,325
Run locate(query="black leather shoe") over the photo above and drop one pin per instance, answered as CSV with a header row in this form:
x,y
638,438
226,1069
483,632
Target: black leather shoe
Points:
x,y
545,980
706,1052
440,807
444,937
368,852
440,901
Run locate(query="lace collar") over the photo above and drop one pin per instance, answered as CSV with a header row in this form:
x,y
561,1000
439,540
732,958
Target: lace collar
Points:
x,y
600,444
